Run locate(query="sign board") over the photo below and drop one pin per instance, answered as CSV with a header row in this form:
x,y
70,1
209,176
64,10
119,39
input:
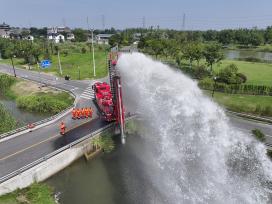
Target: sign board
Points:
x,y
45,64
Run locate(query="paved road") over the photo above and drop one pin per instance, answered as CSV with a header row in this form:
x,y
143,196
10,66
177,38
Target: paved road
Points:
x,y
26,148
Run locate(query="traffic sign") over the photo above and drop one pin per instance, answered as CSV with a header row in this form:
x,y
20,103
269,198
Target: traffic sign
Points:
x,y
45,64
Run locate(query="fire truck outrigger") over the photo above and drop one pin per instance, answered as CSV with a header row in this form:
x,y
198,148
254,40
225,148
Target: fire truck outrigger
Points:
x,y
109,96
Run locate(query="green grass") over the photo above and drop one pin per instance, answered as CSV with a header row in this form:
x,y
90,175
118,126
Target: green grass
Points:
x,y
257,73
260,105
37,193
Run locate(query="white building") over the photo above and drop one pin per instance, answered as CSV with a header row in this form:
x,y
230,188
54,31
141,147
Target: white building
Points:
x,y
103,38
70,36
29,37
4,34
57,38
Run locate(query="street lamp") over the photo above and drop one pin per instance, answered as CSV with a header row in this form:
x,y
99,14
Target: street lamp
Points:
x,y
13,65
215,78
93,54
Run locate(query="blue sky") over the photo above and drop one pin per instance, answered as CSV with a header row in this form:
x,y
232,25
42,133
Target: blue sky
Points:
x,y
200,14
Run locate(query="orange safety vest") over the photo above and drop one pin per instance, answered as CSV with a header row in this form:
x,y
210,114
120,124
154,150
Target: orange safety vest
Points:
x,y
90,112
78,113
74,113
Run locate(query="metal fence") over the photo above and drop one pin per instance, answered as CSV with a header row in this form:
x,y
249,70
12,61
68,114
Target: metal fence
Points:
x,y
50,155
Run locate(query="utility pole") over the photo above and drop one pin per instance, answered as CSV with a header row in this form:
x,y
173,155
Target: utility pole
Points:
x,y
60,69
11,58
144,22
103,22
93,55
183,21
92,47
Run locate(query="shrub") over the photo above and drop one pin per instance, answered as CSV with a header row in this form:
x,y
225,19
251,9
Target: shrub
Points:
x,y
242,77
7,122
83,50
52,103
258,135
6,82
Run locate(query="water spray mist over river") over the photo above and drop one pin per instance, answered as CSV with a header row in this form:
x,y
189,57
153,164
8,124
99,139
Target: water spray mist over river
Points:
x,y
195,155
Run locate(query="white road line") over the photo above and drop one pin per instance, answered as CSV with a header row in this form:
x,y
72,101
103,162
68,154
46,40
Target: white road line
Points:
x,y
248,131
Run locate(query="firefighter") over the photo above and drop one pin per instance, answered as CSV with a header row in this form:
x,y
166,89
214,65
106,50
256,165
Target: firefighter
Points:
x,y
78,113
74,115
82,112
90,112
86,112
62,128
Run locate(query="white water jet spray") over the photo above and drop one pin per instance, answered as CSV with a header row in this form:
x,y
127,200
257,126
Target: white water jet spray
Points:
x,y
198,156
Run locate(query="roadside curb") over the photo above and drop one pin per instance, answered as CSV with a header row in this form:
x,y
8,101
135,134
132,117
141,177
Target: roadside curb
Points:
x,y
248,116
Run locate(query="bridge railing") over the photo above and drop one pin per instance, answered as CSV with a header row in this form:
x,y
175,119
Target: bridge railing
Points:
x,y
50,155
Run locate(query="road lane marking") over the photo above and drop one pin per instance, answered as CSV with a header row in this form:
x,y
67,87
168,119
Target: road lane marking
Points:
x,y
41,142
22,150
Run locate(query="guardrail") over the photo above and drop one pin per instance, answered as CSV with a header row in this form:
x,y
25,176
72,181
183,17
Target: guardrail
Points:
x,y
50,155
244,115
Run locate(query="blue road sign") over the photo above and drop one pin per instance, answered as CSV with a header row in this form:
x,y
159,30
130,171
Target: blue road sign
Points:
x,y
45,64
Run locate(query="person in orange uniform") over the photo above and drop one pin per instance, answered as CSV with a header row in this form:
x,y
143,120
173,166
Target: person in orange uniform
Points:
x,y
78,113
74,113
82,113
90,112
62,128
86,112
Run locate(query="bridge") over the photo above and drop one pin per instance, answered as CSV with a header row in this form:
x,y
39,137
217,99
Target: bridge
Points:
x,y
19,150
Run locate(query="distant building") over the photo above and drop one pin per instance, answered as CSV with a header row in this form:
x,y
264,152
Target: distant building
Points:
x,y
70,36
103,38
57,38
137,36
58,34
29,37
4,30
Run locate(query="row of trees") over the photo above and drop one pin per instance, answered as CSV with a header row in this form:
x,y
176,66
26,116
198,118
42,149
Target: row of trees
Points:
x,y
188,50
242,37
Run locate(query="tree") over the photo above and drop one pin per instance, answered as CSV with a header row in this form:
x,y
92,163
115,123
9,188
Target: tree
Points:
x,y
192,51
10,53
213,54
80,35
268,34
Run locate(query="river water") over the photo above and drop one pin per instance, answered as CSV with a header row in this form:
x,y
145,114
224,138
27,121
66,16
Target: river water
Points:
x,y
22,117
186,151
242,54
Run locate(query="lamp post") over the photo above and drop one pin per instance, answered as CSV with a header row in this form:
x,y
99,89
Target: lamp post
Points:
x,y
215,78
13,65
93,54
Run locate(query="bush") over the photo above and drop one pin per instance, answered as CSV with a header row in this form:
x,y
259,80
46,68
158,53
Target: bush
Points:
x,y
6,82
242,77
83,50
7,122
269,153
258,135
52,103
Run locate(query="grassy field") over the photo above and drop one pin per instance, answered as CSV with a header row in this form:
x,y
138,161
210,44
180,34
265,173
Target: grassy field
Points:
x,y
37,193
71,64
257,73
260,105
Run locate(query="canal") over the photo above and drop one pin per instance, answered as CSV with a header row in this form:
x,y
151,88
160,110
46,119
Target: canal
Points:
x,y
243,54
22,117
